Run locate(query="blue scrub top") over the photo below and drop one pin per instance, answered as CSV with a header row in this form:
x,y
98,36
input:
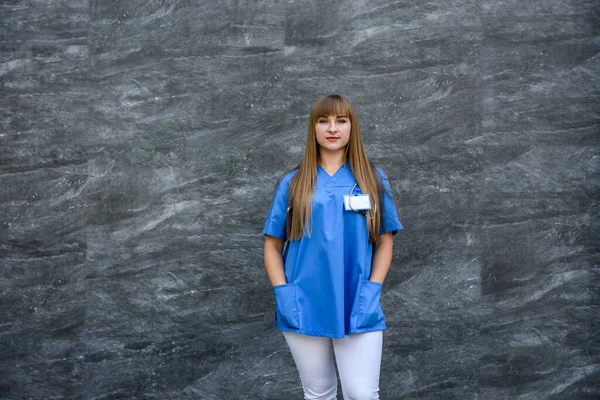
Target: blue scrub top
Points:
x,y
328,292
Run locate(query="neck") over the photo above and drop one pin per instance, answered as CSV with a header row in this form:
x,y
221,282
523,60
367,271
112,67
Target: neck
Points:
x,y
329,159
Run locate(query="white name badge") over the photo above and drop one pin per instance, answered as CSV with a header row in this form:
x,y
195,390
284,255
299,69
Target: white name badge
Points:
x,y
358,202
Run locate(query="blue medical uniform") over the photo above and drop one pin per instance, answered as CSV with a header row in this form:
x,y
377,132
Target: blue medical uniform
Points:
x,y
328,292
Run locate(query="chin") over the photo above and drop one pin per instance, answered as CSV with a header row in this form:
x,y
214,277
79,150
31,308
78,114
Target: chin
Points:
x,y
329,147
333,146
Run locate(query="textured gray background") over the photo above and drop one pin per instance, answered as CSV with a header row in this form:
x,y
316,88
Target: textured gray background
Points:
x,y
140,146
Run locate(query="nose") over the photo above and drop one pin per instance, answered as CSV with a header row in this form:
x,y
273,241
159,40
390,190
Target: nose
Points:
x,y
332,127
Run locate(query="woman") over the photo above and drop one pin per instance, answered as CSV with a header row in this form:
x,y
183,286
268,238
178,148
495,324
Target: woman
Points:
x,y
336,213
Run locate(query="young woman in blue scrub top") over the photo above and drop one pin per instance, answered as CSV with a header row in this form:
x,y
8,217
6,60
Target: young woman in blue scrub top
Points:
x,y
328,248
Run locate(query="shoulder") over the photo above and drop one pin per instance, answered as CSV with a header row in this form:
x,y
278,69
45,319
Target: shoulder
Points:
x,y
286,178
380,171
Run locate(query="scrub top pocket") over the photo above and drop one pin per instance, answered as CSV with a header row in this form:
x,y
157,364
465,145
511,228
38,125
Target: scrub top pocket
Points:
x,y
287,306
369,312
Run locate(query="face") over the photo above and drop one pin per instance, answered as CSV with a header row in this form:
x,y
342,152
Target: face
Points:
x,y
333,132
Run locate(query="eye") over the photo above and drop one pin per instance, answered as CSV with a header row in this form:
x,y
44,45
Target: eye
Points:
x,y
322,121
342,121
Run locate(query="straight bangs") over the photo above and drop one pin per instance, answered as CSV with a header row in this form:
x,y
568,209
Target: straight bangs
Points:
x,y
331,105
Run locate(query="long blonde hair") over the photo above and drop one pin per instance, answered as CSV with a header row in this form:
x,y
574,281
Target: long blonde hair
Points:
x,y
303,183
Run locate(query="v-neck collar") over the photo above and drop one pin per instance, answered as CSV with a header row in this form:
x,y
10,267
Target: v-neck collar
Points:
x,y
324,179
344,165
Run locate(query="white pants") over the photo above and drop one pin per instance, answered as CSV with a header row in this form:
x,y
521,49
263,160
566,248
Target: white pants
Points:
x,y
358,359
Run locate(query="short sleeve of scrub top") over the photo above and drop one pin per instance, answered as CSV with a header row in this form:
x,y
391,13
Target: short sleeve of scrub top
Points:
x,y
390,221
276,218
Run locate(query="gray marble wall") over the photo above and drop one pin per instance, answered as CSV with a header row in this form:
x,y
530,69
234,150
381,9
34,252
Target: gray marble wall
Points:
x,y
140,144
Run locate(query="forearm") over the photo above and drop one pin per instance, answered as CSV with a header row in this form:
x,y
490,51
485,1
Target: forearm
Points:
x,y
273,260
382,258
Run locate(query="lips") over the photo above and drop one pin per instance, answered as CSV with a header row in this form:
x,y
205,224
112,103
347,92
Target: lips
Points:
x,y
332,138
